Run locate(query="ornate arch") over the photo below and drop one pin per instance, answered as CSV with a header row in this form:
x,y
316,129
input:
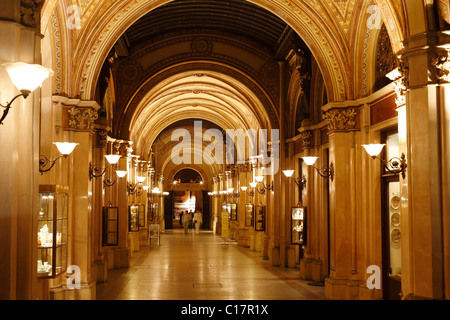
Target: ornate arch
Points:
x,y
101,33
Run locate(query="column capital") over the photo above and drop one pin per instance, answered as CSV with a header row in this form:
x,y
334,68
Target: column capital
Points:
x,y
342,119
77,115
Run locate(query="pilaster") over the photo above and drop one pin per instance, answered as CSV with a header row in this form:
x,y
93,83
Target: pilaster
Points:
x,y
426,236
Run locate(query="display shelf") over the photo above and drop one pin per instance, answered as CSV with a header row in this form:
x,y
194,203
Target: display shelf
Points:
x,y
52,224
298,225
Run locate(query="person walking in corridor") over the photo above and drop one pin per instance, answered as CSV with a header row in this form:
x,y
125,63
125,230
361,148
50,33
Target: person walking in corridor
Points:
x,y
198,220
186,219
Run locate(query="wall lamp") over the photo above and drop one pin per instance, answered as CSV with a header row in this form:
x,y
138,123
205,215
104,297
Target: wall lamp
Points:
x,y
96,171
250,192
26,78
65,148
301,182
262,190
214,194
232,194
325,172
135,188
395,165
109,182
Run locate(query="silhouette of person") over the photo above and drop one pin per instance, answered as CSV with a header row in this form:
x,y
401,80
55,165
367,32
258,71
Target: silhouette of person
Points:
x,y
181,217
186,219
198,220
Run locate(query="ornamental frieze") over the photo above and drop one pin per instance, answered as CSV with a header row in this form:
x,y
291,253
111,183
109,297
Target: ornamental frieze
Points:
x,y
306,137
81,119
341,119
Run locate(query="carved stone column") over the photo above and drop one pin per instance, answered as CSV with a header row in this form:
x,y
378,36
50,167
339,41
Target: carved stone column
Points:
x,y
342,126
426,188
19,158
78,118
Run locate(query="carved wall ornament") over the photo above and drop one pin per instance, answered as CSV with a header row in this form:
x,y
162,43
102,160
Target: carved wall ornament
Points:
x,y
82,119
306,137
102,138
30,13
341,119
440,66
400,91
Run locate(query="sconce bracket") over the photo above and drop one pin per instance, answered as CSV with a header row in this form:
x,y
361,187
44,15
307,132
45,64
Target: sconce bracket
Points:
x,y
327,171
46,164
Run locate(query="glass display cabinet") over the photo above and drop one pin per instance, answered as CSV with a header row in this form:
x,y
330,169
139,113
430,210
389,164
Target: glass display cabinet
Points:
x,y
249,211
233,211
260,218
110,226
52,231
152,211
133,216
141,215
298,225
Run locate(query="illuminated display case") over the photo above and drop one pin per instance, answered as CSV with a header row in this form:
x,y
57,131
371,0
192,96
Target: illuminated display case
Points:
x,y
249,211
133,216
298,225
152,211
260,218
141,215
110,226
233,211
52,231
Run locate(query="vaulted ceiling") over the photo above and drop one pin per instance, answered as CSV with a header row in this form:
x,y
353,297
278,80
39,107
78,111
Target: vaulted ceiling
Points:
x,y
235,16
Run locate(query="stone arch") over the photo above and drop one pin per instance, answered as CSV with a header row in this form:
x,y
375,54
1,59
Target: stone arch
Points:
x,y
260,104
106,27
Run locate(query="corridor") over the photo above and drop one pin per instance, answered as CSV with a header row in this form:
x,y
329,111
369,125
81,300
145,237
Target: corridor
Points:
x,y
202,267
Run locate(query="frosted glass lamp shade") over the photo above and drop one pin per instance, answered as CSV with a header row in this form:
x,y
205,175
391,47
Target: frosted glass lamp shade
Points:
x,y
259,178
121,173
253,184
373,149
65,148
288,173
27,77
145,188
310,160
140,179
230,190
244,188
112,158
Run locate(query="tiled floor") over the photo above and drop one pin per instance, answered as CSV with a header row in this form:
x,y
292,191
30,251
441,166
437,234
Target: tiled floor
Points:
x,y
201,267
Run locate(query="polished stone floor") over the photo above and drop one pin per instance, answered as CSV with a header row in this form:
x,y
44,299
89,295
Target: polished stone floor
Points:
x,y
201,267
